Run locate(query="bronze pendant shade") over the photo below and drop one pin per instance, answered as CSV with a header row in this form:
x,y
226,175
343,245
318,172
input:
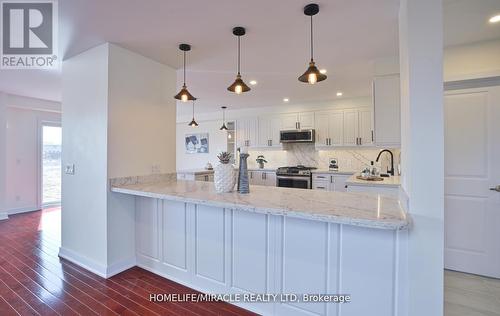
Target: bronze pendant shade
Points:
x,y
312,74
193,122
238,85
184,94
224,127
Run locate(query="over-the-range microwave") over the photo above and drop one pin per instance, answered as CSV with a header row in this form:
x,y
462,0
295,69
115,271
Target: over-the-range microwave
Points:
x,y
297,136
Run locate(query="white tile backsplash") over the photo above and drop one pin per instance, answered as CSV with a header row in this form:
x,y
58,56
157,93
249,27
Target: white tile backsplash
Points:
x,y
354,159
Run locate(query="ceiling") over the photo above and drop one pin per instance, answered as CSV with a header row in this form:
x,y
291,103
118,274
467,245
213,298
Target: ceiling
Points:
x,y
350,36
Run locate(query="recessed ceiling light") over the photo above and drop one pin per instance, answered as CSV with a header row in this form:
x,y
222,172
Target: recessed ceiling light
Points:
x,y
339,94
253,82
495,19
323,71
286,100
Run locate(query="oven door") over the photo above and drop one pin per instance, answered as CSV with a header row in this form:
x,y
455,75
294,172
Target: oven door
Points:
x,y
293,182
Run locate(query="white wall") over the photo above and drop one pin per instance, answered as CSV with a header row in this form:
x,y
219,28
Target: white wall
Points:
x,y
23,157
20,173
118,120
141,135
3,155
422,150
472,61
84,141
217,143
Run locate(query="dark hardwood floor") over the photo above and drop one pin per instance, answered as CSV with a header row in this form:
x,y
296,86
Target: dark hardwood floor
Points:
x,y
35,281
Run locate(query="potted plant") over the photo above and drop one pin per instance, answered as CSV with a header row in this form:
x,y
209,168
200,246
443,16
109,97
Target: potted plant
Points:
x,y
224,173
261,161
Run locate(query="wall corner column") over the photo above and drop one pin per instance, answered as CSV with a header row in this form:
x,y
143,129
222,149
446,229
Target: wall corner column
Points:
x,y
422,150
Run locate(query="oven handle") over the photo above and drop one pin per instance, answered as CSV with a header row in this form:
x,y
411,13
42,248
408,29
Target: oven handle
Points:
x,y
307,178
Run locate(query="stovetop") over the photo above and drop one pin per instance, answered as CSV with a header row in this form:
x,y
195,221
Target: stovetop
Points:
x,y
295,171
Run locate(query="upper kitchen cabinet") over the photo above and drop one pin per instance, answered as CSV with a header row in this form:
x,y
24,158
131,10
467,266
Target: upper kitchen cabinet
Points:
x,y
358,127
303,120
247,132
387,111
269,131
329,127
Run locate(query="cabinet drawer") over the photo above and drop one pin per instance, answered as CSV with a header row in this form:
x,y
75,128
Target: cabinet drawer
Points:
x,y
320,186
321,177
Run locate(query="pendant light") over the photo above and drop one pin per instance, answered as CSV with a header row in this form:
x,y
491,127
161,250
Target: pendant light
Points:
x,y
224,127
312,74
193,122
238,86
184,94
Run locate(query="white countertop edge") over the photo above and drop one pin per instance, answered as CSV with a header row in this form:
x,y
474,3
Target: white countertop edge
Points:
x,y
341,172
366,223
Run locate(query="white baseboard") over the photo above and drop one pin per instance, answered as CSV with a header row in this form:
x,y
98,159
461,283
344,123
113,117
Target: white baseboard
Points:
x,y
4,216
22,210
94,267
84,262
120,266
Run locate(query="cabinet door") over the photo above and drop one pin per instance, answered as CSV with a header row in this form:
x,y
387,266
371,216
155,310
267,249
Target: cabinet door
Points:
x,y
350,127
255,177
306,120
365,127
322,122
289,122
270,179
274,130
241,127
264,131
339,183
387,110
336,128
253,132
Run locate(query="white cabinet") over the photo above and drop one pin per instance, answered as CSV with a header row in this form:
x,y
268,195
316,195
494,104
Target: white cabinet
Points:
x,y
269,131
303,120
258,177
204,177
330,182
247,132
387,111
358,127
329,128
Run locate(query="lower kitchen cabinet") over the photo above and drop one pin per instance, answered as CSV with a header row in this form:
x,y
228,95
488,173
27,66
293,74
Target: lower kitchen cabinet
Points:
x,y
205,177
266,178
329,182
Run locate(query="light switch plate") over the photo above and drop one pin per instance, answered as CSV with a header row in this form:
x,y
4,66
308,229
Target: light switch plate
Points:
x,y
69,169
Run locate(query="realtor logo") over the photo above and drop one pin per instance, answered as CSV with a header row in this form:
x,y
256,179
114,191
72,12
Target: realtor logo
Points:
x,y
29,34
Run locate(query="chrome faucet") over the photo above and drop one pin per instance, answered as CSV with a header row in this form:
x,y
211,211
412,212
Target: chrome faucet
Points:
x,y
391,171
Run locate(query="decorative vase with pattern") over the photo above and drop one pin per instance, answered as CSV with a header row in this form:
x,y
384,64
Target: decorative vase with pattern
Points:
x,y
224,174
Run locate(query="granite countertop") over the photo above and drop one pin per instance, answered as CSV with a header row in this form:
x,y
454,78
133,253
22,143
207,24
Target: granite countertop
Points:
x,y
195,171
391,182
359,209
342,172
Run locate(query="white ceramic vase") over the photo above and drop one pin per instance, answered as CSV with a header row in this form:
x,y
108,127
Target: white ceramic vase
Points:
x,y
224,178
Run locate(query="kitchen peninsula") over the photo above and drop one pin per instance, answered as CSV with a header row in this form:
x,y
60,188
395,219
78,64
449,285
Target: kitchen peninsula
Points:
x,y
273,240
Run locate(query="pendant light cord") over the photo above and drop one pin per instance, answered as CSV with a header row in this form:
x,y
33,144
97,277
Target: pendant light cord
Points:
x,y
239,54
193,110
185,68
312,51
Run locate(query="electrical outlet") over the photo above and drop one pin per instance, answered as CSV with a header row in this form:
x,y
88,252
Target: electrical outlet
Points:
x,y
155,169
69,169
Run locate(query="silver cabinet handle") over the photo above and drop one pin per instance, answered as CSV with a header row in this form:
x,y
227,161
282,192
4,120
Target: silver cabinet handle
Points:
x,y
298,123
320,188
320,177
497,188
270,142
251,175
373,138
360,141
331,179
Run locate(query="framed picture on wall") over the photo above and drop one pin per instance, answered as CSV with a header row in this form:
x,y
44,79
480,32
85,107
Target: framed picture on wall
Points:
x,y
196,143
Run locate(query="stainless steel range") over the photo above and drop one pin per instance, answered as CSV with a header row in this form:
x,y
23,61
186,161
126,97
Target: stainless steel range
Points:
x,y
299,177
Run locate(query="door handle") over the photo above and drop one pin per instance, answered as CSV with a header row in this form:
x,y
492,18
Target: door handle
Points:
x,y
497,188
